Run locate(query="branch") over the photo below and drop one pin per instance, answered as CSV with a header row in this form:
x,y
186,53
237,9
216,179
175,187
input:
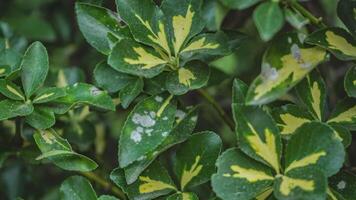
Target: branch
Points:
x,y
316,21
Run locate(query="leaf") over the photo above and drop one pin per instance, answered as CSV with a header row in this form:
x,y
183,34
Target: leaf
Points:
x,y
155,85
192,76
183,21
303,183
295,18
183,196
59,151
269,19
304,149
10,109
284,64
240,177
9,60
130,92
194,162
346,12
11,90
107,197
350,82
41,118
147,126
290,117
146,22
77,188
239,4
48,94
180,132
344,183
82,93
239,90
4,70
258,135
343,133
336,40
312,93
103,21
110,79
133,58
344,113
152,183
34,68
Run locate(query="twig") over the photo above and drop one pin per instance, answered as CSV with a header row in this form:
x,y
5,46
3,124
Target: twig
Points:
x,y
317,21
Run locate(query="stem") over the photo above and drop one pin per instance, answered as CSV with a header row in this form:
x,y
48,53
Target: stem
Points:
x,y
317,21
218,108
104,183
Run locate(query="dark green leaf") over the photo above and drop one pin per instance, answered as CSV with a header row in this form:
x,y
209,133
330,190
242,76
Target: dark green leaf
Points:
x,y
107,197
350,82
77,188
11,90
41,118
130,92
344,113
183,196
239,90
10,109
239,4
344,183
343,133
48,94
346,12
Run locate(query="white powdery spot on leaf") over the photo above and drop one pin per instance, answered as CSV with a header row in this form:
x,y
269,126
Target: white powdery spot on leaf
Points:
x,y
136,136
152,114
158,99
180,114
341,185
148,131
95,91
268,72
164,134
143,120
297,55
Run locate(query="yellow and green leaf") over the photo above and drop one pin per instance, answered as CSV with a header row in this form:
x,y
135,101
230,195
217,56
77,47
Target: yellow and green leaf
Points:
x,y
183,196
284,65
11,90
49,94
4,70
344,113
350,82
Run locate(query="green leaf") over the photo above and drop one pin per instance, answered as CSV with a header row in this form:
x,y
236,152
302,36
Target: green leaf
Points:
x,y
59,151
290,117
284,64
304,149
180,132
34,68
239,4
194,162
240,177
107,197
45,95
343,133
133,58
147,126
103,21
346,12
312,93
269,19
239,90
344,183
110,79
130,92
146,22
153,182
350,82
303,183
193,75
344,113
4,70
11,90
10,109
183,21
156,85
41,118
9,60
82,93
183,196
295,19
336,40
77,188
258,135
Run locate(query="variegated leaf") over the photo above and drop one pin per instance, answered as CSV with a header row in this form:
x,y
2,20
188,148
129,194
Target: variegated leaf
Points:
x,y
338,41
285,63
304,149
343,133
240,177
239,90
350,82
183,196
258,135
10,109
344,113
195,159
342,186
11,90
4,70
48,94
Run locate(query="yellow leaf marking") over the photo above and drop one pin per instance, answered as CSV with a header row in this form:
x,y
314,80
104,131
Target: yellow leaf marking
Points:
x,y
337,42
288,184
2,71
331,195
185,76
188,175
44,96
181,28
354,82
144,58
291,123
164,105
200,44
307,160
251,175
265,194
187,196
62,80
160,38
48,137
346,116
150,185
316,96
266,150
298,66
14,91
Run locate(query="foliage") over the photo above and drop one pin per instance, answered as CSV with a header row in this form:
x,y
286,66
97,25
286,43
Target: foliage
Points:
x,y
112,110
